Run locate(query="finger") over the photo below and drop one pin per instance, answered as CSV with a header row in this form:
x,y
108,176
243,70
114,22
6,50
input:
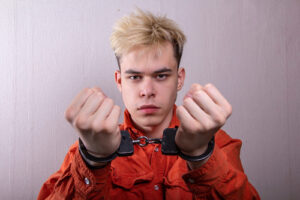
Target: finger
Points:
x,y
218,98
185,118
92,104
77,103
97,89
208,105
194,87
113,117
216,113
103,111
196,112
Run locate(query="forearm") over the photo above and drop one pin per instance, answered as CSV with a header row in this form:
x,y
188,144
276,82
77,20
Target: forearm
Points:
x,y
221,176
75,179
196,165
205,151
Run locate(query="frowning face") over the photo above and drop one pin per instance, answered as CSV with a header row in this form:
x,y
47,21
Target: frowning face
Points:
x,y
149,80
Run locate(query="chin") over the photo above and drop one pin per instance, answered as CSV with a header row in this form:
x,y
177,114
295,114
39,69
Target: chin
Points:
x,y
150,120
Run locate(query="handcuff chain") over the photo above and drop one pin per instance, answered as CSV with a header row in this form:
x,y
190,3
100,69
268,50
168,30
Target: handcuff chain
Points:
x,y
144,141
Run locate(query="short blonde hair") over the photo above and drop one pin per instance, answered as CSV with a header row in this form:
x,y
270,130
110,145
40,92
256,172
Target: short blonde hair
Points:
x,y
143,28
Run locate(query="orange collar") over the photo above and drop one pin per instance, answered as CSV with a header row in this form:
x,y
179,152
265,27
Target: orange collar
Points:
x,y
129,126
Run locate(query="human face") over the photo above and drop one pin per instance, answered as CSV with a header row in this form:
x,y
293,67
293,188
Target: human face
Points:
x,y
149,80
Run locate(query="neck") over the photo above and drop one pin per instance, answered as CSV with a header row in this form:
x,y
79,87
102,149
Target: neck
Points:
x,y
157,131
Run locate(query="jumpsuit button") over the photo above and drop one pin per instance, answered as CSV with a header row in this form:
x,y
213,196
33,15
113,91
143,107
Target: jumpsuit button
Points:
x,y
156,187
156,149
190,180
87,181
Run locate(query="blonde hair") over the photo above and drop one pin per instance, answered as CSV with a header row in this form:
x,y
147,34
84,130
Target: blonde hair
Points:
x,y
143,28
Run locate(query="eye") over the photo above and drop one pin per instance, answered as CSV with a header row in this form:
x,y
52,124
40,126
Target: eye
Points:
x,y
135,77
161,76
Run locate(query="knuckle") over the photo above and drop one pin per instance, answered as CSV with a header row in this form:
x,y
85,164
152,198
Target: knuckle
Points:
x,y
99,97
198,127
188,129
206,126
97,126
70,114
179,111
209,85
107,127
109,101
229,109
196,86
219,119
209,88
81,122
186,101
95,88
179,108
86,90
198,94
100,93
101,127
118,108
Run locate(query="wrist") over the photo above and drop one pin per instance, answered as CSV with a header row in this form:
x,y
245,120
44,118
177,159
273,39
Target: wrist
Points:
x,y
92,160
199,155
197,164
196,152
200,151
95,165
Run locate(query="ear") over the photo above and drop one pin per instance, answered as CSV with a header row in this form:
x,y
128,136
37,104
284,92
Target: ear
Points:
x,y
118,79
181,78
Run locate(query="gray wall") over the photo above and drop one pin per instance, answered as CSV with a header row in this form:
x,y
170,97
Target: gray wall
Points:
x,y
50,50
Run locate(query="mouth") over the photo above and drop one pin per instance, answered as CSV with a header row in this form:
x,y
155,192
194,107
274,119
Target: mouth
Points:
x,y
148,109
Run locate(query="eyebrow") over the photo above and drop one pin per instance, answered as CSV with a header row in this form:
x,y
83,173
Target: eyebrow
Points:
x,y
131,71
164,69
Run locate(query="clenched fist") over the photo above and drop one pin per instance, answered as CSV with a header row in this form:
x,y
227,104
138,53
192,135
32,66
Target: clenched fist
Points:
x,y
203,113
96,118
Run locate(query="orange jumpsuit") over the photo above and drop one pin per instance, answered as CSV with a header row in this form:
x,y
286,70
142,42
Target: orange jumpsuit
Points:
x,y
148,174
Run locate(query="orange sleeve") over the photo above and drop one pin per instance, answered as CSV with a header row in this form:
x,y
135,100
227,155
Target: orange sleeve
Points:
x,y
222,176
74,180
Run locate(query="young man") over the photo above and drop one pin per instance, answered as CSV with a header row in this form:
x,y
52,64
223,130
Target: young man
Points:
x,y
148,50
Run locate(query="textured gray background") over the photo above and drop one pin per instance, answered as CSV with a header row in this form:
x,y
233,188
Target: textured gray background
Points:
x,y
50,50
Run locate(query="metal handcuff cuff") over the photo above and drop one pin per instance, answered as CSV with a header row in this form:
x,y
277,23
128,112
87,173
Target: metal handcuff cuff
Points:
x,y
168,147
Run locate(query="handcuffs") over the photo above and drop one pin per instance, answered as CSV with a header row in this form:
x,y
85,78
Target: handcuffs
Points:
x,y
168,147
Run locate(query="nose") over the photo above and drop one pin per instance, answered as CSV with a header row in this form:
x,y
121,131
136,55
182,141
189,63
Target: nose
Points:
x,y
147,88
